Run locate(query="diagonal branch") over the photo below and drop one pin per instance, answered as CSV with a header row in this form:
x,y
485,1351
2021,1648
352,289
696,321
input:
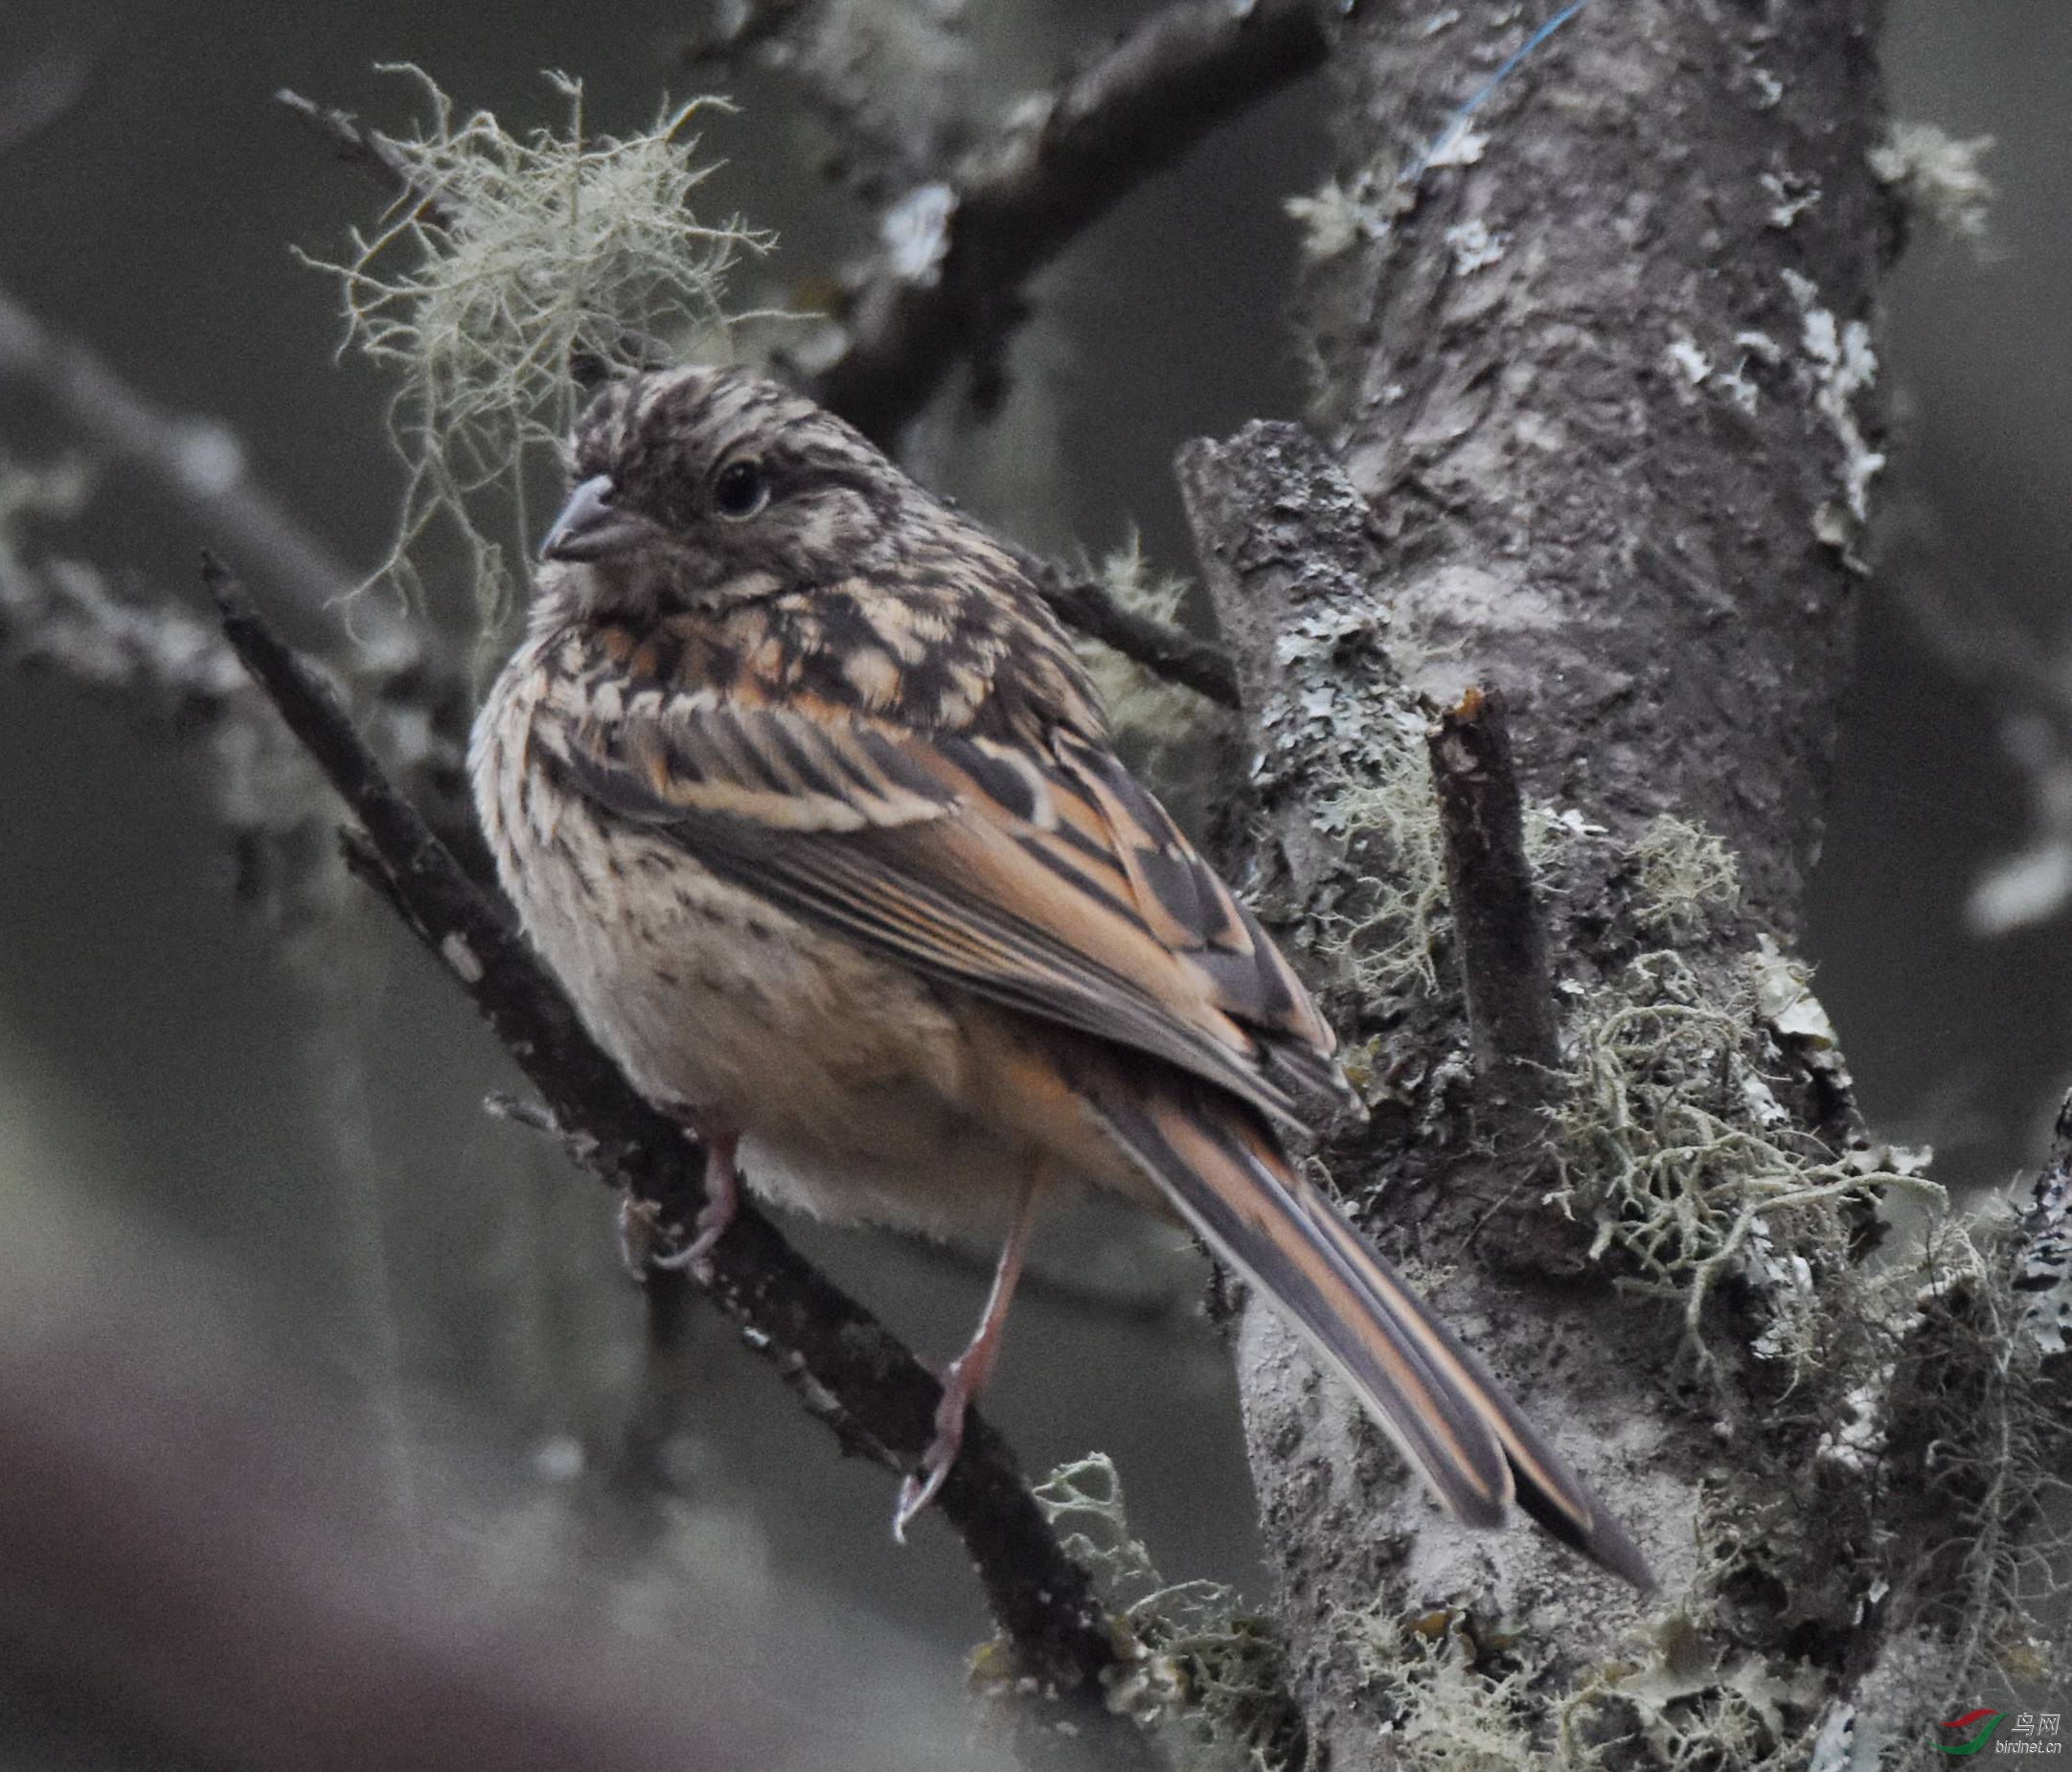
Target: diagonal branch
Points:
x,y
1067,158
1165,651
198,464
841,1363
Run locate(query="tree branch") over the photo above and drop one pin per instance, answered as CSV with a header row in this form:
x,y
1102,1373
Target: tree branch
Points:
x,y
359,146
1161,648
844,1367
1508,977
1067,159
197,462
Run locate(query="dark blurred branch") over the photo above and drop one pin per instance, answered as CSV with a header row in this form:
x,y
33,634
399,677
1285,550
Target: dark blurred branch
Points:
x,y
197,462
170,1577
843,1366
192,1575
1069,156
1502,938
1164,650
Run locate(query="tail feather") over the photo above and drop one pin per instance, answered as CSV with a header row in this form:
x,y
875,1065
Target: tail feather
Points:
x,y
1451,1419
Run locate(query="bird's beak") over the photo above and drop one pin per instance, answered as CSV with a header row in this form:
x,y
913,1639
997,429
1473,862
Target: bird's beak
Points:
x,y
591,527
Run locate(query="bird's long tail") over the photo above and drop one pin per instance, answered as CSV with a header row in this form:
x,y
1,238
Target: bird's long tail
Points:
x,y
1225,1173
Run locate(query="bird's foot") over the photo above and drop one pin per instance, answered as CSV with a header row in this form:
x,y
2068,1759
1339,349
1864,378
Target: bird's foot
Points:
x,y
722,1202
921,1485
642,1241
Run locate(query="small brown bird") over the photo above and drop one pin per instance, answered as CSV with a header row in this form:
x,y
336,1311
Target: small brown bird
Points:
x,y
799,788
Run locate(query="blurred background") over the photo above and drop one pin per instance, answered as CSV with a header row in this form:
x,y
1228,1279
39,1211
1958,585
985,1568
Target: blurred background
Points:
x,y
248,1183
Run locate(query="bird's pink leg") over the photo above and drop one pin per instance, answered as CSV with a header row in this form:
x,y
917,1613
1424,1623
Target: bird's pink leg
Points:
x,y
970,1371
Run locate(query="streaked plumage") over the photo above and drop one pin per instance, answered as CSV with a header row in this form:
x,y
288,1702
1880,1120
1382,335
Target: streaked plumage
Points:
x,y
801,790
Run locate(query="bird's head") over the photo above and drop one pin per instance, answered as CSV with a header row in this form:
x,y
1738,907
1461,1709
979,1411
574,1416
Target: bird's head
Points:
x,y
704,487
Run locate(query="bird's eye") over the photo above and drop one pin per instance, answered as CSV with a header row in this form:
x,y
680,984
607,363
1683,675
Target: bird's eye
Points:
x,y
739,489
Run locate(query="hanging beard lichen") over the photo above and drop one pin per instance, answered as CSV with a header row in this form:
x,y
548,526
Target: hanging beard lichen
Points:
x,y
508,268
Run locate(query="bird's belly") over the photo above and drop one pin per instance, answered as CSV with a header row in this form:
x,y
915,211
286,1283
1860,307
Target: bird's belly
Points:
x,y
848,1078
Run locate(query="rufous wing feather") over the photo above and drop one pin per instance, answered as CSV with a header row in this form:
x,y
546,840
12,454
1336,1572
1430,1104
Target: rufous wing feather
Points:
x,y
1221,1170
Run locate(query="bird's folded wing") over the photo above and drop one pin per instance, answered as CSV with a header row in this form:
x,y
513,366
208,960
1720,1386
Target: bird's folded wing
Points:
x,y
1051,883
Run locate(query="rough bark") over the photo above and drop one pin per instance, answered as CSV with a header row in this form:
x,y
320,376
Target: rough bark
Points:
x,y
1591,396
1636,554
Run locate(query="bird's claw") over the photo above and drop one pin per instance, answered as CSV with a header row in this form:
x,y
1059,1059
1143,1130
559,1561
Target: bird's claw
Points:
x,y
921,1485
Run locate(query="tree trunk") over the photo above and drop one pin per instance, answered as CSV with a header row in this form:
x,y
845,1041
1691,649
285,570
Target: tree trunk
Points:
x,y
1593,390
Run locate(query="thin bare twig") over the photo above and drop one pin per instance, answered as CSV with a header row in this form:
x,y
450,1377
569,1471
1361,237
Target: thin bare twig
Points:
x,y
1065,160
360,145
1161,648
1502,937
843,1366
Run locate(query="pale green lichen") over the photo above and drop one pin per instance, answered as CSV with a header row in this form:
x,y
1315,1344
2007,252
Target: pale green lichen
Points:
x,y
1455,1699
1193,1662
1166,734
1673,1141
1965,1405
1461,1696
1687,1712
1398,912
1684,872
1146,709
1940,176
514,260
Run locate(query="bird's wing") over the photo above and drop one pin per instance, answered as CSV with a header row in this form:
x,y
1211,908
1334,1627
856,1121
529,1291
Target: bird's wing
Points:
x,y
1450,1419
1049,882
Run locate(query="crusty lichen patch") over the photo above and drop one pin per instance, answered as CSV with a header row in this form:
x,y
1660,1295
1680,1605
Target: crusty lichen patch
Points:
x,y
1840,368
1940,176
